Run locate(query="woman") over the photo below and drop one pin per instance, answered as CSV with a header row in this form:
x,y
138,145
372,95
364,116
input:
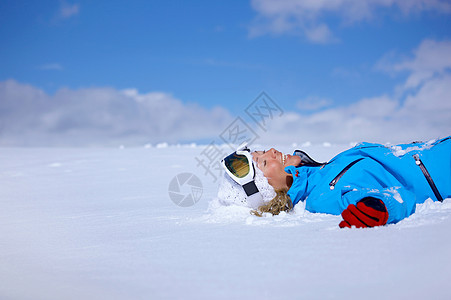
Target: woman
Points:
x,y
369,184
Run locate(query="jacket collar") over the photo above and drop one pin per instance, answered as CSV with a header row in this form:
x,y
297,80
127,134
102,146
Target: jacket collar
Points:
x,y
301,187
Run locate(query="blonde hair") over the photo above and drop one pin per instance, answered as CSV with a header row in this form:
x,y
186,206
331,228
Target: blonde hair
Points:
x,y
281,202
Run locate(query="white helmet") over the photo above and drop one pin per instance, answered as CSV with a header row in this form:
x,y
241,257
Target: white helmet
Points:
x,y
231,193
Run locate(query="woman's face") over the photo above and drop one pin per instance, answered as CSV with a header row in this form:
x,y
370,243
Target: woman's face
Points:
x,y
272,163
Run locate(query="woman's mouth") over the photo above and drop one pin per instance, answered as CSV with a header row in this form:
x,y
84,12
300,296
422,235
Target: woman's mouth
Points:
x,y
284,157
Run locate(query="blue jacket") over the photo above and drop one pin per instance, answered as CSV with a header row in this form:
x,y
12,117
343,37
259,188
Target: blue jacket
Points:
x,y
394,174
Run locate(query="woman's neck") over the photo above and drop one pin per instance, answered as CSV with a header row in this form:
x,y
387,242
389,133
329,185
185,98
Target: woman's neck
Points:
x,y
289,180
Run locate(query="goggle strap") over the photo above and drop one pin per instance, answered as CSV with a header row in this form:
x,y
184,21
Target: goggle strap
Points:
x,y
250,188
255,200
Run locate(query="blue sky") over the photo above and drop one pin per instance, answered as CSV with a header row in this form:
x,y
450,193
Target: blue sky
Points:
x,y
309,56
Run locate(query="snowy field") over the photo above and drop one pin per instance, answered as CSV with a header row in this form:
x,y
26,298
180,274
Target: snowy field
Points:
x,y
99,224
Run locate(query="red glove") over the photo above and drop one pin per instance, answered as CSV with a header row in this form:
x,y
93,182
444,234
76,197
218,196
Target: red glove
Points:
x,y
368,212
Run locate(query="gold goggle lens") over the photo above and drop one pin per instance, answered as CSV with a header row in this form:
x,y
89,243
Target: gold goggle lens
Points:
x,y
237,164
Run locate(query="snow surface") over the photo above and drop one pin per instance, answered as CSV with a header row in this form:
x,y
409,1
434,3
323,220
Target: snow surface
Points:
x,y
99,224
398,151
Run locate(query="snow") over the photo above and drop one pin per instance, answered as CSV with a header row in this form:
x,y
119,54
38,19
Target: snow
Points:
x,y
98,223
398,151
394,192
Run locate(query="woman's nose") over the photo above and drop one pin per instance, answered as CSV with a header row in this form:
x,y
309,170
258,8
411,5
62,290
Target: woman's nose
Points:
x,y
273,152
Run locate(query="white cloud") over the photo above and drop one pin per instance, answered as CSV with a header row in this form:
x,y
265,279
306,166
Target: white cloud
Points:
x,y
305,17
51,66
320,34
431,58
313,103
101,116
419,113
376,120
67,10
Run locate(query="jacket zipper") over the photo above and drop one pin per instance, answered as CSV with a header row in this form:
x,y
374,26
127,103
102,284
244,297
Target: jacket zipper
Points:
x,y
335,180
428,177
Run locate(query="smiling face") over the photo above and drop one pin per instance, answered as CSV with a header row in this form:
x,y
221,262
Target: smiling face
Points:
x,y
272,163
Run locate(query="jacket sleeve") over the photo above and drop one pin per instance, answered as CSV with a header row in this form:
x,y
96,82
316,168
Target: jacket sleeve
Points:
x,y
400,202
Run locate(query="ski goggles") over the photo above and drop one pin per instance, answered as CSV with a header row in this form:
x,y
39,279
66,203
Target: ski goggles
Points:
x,y
240,167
